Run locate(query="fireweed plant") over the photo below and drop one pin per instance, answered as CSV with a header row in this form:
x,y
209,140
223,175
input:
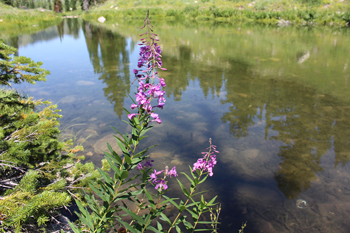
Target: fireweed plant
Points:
x,y
116,191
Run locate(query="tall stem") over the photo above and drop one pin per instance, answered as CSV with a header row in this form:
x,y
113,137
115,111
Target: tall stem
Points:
x,y
192,191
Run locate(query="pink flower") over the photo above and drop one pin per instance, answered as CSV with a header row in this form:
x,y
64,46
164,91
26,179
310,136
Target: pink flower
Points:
x,y
132,115
207,163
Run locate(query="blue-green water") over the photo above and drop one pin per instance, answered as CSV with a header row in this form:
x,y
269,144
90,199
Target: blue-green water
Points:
x,y
274,100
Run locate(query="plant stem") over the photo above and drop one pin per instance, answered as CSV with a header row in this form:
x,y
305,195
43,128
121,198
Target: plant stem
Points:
x,y
192,191
143,230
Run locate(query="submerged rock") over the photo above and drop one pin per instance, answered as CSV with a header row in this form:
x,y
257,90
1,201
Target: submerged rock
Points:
x,y
101,145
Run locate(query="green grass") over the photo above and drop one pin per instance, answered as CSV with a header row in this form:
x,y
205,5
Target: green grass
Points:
x,y
260,11
16,21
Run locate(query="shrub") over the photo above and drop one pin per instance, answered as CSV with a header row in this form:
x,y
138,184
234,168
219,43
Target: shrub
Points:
x,y
35,167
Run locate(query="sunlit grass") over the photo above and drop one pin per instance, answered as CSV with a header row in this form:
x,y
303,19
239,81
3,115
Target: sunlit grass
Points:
x,y
16,21
261,11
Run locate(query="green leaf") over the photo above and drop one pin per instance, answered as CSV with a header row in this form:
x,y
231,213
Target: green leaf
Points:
x,y
121,146
183,188
125,136
207,222
159,226
132,99
105,176
149,198
124,175
171,200
134,216
199,193
134,136
126,111
136,119
193,213
165,218
188,225
102,195
153,229
210,203
127,159
142,137
182,208
115,168
187,177
146,130
192,173
85,216
127,226
201,181
74,227
143,151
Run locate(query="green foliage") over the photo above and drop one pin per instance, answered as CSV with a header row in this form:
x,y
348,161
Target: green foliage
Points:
x,y
37,171
66,5
11,70
74,5
7,2
300,12
121,190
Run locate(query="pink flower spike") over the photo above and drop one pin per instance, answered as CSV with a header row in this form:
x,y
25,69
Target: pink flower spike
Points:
x,y
163,68
133,106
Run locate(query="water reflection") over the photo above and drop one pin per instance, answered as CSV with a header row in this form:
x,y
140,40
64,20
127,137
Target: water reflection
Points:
x,y
281,138
110,59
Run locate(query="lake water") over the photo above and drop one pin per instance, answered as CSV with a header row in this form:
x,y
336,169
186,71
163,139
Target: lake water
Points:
x,y
275,101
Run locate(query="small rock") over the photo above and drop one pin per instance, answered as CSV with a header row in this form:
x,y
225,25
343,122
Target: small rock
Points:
x,y
89,153
116,8
111,6
301,203
101,19
1,20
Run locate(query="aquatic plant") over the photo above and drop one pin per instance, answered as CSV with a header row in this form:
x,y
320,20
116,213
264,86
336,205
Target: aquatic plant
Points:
x,y
118,190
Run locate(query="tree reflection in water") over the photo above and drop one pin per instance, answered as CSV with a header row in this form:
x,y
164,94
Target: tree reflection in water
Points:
x,y
110,59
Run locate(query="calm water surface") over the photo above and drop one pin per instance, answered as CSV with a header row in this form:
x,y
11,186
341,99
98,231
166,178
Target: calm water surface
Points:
x,y
276,102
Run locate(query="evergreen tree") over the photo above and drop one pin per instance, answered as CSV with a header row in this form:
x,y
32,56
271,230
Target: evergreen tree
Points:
x,y
38,173
7,2
66,5
74,5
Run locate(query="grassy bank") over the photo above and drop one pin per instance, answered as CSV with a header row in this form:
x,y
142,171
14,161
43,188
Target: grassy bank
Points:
x,y
272,12
14,21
